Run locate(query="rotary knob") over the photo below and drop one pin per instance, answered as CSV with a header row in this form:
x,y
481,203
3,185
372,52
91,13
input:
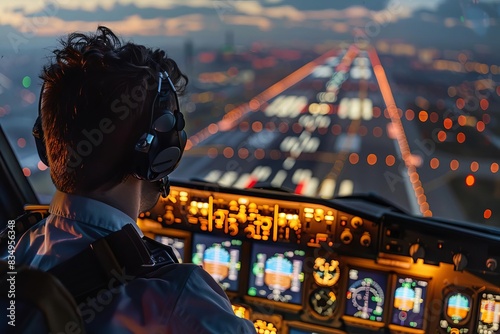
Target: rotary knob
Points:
x,y
346,236
365,239
491,264
356,222
460,261
417,251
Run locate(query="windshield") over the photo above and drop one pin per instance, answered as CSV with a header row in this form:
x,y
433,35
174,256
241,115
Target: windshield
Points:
x,y
318,98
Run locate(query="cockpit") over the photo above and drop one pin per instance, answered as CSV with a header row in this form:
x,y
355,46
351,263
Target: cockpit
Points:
x,y
341,173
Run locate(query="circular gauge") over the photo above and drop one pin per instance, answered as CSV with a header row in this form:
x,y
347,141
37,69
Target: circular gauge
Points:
x,y
323,301
326,273
367,298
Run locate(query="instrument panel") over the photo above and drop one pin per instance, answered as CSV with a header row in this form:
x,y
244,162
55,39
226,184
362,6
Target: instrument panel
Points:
x,y
296,265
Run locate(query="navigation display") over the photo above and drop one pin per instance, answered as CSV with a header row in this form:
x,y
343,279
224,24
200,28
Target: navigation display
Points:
x,y
220,257
177,245
457,307
276,273
409,300
489,313
366,294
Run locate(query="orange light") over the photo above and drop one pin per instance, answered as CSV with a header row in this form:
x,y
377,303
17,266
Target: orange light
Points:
x,y
283,127
454,164
212,152
486,118
254,104
371,159
257,126
434,117
362,131
447,123
21,142
460,103
353,158
494,167
470,180
243,153
271,126
336,129
474,166
423,116
441,136
410,115
434,163
26,171
484,104
259,154
297,128
274,154
480,126
376,112
462,120
419,191
487,214
41,166
460,137
189,144
244,126
228,152
414,177
213,128
390,160
377,131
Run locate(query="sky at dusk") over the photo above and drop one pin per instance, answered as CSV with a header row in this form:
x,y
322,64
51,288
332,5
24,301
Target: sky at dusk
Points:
x,y
31,23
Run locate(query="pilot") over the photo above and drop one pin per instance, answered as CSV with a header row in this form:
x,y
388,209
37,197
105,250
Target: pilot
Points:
x,y
111,131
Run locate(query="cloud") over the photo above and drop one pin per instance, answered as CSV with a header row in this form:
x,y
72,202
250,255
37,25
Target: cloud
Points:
x,y
132,25
262,23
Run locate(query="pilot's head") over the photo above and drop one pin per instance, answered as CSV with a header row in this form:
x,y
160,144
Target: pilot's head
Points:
x,y
100,109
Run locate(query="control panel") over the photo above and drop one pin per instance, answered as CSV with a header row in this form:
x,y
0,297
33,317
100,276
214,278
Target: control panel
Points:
x,y
293,264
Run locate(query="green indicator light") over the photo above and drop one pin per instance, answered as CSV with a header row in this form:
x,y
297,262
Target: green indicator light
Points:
x,y
26,82
252,292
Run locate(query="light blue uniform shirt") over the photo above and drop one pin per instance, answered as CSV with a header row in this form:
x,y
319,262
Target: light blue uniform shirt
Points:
x,y
184,299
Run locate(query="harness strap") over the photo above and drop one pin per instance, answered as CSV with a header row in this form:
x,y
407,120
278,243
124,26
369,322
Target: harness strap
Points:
x,y
112,261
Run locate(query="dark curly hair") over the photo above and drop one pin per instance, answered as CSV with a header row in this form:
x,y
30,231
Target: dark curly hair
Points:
x,y
95,104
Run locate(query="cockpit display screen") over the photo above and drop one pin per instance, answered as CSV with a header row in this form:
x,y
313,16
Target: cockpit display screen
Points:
x,y
366,294
220,257
177,245
489,313
276,273
409,300
457,307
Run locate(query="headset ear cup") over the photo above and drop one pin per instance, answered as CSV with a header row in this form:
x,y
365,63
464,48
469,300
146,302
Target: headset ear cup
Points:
x,y
183,140
40,141
180,122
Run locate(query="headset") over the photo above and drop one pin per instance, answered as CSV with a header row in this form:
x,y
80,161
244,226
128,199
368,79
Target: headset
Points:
x,y
159,149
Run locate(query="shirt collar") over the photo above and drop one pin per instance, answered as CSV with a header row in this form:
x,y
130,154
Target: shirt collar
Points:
x,y
90,211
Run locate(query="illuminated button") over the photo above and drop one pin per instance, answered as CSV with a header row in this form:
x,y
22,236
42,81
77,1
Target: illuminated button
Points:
x,y
356,222
346,236
365,239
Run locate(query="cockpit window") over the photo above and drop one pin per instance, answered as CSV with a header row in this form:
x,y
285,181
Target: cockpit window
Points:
x,y
319,98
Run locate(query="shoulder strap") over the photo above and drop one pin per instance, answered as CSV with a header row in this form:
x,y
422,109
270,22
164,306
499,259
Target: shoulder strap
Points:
x,y
112,261
33,214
